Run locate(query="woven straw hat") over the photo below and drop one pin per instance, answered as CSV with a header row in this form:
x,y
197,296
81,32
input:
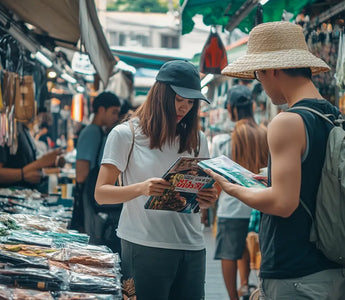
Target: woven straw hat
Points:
x,y
275,45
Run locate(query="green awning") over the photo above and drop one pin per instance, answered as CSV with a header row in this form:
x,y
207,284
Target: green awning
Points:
x,y
220,12
144,59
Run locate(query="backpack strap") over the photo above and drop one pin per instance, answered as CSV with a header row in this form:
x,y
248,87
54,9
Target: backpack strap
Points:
x,y
339,121
323,116
313,233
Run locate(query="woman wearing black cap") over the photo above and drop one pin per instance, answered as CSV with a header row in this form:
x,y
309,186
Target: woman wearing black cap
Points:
x,y
164,251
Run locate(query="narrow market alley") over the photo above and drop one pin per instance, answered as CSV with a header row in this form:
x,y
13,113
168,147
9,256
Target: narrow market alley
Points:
x,y
215,287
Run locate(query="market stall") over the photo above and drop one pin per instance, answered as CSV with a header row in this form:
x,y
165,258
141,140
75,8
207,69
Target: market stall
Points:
x,y
40,257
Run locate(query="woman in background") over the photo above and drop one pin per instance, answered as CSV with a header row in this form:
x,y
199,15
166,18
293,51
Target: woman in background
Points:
x,y
246,145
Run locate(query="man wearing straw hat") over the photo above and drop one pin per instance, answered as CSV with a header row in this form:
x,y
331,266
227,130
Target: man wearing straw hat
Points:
x,y
292,267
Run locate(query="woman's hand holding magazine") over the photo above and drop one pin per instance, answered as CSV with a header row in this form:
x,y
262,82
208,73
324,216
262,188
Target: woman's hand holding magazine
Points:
x,y
207,197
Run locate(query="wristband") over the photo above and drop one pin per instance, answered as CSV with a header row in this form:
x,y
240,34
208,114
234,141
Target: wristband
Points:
x,y
22,173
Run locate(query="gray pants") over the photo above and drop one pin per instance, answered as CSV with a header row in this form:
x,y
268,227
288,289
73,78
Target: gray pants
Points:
x,y
324,285
164,273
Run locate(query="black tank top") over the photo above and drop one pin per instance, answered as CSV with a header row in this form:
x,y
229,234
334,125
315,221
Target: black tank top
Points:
x,y
284,242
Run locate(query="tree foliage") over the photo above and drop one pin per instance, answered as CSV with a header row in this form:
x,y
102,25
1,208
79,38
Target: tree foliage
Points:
x,y
155,6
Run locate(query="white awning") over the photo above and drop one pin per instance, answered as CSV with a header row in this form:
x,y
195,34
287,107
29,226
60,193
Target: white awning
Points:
x,y
62,23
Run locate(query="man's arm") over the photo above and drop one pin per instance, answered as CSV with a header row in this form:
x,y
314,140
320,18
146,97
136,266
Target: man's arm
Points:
x,y
287,142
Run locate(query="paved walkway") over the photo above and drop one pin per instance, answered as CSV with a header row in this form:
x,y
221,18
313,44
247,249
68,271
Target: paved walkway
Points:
x,y
215,287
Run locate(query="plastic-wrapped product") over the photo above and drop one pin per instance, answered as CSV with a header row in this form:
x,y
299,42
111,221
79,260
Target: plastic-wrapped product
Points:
x,y
28,250
27,294
26,237
85,296
94,271
86,257
94,284
82,246
22,261
5,293
31,278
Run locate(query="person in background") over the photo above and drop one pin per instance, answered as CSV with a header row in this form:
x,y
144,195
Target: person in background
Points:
x,y
106,107
292,267
42,135
246,145
24,169
260,107
164,251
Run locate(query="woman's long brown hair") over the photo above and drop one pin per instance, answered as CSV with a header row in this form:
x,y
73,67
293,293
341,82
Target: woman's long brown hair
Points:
x,y
157,117
249,145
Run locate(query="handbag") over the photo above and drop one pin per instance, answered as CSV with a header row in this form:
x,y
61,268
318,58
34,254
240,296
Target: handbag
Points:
x,y
24,95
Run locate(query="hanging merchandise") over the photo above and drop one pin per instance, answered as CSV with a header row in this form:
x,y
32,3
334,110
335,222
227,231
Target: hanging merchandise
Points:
x,y
8,52
213,56
77,108
340,67
1,102
342,103
323,42
259,17
24,97
25,102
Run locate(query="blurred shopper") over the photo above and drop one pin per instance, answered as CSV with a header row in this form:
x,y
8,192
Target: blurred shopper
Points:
x,y
260,100
292,267
86,216
23,169
246,145
164,251
43,136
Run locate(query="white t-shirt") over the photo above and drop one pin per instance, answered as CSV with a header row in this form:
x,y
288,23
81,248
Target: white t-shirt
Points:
x,y
153,228
228,206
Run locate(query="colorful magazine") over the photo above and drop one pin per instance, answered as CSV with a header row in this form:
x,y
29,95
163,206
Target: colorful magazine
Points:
x,y
231,171
187,180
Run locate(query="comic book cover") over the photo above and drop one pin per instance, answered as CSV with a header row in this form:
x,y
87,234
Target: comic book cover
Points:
x,y
187,180
231,170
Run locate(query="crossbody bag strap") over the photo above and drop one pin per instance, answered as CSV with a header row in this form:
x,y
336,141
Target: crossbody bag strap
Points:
x,y
131,126
197,150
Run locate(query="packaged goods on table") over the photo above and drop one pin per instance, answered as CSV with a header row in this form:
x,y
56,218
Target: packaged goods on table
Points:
x,y
32,278
23,261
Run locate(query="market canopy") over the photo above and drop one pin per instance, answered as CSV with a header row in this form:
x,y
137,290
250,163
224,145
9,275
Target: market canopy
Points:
x,y
145,58
236,13
62,23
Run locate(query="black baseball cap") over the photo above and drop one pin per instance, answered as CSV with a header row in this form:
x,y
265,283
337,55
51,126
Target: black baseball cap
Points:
x,y
239,95
183,77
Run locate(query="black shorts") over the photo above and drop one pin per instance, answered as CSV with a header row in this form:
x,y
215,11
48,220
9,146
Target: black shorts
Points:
x,y
231,238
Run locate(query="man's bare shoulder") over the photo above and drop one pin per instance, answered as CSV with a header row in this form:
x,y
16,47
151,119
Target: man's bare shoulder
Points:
x,y
286,121
286,128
